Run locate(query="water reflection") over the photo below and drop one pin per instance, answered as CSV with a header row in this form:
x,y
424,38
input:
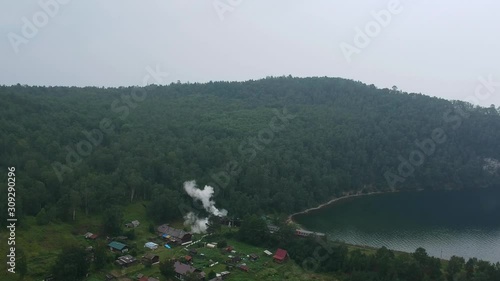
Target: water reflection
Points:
x,y
461,223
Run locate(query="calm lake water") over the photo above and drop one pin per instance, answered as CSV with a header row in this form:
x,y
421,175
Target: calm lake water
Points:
x,y
445,223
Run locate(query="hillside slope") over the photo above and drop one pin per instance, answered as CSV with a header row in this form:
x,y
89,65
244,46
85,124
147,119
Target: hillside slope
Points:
x,y
272,145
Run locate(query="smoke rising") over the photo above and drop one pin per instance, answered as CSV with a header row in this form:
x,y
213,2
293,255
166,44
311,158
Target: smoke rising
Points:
x,y
199,225
204,195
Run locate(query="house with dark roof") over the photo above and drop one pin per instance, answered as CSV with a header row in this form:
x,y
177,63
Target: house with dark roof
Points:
x,y
233,260
126,261
118,247
253,257
174,235
181,269
150,259
280,256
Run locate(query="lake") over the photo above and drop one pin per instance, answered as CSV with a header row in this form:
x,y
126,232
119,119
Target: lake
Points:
x,y
463,223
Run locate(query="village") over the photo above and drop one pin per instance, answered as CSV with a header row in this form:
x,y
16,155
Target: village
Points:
x,y
204,257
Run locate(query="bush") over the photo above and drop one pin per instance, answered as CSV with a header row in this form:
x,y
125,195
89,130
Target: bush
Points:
x,y
133,252
229,235
75,231
222,244
42,218
130,234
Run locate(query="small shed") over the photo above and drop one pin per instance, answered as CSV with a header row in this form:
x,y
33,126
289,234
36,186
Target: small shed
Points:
x,y
133,224
253,257
150,259
151,245
126,261
90,235
280,256
117,247
244,267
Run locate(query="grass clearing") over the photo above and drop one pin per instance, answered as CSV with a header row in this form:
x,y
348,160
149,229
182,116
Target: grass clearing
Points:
x,y
42,245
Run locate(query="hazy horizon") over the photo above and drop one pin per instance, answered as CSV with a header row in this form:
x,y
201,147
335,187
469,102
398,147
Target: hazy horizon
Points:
x,y
446,49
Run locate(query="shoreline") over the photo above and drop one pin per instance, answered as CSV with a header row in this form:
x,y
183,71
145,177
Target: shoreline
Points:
x,y
357,194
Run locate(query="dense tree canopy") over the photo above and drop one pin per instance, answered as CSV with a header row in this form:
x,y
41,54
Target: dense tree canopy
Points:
x,y
272,145
72,264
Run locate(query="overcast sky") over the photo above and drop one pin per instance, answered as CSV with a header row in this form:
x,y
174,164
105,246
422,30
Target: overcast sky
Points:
x,y
438,48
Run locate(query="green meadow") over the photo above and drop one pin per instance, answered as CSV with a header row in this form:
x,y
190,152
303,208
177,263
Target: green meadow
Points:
x,y
42,244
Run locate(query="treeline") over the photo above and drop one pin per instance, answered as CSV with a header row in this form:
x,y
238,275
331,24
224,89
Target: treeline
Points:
x,y
272,145
320,255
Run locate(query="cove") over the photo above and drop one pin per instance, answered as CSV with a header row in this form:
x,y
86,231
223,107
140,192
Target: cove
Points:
x,y
462,223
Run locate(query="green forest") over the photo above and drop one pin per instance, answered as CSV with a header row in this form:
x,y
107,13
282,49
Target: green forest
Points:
x,y
272,146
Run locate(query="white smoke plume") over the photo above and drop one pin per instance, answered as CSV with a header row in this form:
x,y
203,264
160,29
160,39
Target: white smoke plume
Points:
x,y
205,196
199,225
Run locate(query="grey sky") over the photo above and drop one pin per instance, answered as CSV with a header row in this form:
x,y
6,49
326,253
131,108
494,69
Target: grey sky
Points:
x,y
438,48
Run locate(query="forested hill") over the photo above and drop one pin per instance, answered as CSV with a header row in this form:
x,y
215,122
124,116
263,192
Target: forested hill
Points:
x,y
276,144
